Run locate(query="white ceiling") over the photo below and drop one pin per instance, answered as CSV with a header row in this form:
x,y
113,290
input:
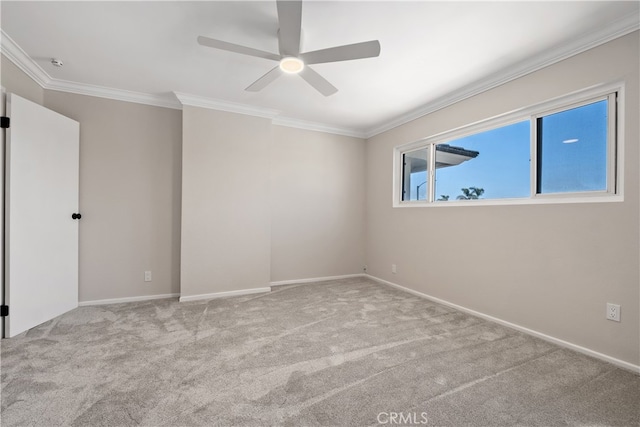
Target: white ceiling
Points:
x,y
431,52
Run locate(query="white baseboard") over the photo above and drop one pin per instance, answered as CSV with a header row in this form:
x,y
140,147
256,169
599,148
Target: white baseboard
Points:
x,y
315,279
562,343
224,294
127,299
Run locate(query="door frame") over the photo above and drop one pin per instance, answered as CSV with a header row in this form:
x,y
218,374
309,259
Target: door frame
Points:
x,y
3,147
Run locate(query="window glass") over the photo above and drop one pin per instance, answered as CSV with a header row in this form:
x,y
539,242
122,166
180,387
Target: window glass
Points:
x,y
414,174
488,165
572,150
561,147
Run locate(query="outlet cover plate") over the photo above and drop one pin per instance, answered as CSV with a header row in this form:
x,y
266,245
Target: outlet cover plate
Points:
x,y
613,312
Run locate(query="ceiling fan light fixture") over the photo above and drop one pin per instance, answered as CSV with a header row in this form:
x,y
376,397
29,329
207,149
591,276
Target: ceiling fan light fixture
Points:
x,y
291,65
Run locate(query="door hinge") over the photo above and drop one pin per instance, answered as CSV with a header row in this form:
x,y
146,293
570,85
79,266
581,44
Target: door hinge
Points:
x,y
4,310
4,122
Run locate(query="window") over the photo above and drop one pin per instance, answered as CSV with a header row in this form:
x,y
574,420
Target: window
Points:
x,y
572,149
564,148
414,176
493,164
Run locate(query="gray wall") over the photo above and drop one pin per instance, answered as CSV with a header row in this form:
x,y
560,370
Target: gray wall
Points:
x,y
225,202
550,268
263,203
16,81
130,173
130,197
317,204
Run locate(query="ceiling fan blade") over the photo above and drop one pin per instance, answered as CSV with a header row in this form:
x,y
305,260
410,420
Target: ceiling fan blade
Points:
x,y
219,44
318,82
263,81
343,53
290,19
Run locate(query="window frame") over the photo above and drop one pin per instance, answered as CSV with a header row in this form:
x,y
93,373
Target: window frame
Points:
x,y
613,92
611,99
403,177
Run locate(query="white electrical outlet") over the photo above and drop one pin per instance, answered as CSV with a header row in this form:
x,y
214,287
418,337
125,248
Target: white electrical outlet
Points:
x,y
393,269
613,312
147,276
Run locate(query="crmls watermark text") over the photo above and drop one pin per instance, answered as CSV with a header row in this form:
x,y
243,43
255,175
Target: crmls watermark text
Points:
x,y
402,418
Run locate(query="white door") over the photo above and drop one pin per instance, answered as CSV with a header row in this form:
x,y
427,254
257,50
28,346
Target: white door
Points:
x,y
41,194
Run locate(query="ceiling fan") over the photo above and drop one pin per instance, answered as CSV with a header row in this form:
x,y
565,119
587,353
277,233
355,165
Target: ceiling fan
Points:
x,y
290,59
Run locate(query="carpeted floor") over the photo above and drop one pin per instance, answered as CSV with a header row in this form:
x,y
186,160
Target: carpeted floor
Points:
x,y
348,353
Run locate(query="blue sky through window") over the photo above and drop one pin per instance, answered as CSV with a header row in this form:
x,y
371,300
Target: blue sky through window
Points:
x,y
501,167
573,150
572,157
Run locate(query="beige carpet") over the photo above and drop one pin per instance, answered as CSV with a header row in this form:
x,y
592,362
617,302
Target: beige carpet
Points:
x,y
348,353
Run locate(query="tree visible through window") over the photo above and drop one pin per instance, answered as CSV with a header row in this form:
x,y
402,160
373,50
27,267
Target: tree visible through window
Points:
x,y
499,167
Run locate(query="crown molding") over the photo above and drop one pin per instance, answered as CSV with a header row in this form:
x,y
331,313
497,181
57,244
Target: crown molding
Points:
x,y
587,41
19,57
115,94
23,61
230,107
319,127
267,113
